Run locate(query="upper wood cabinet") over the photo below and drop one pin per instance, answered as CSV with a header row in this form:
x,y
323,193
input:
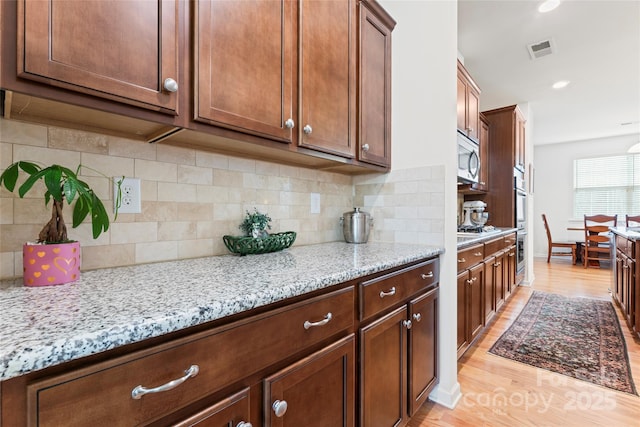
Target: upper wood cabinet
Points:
x,y
279,69
374,83
506,139
244,56
123,50
468,104
327,74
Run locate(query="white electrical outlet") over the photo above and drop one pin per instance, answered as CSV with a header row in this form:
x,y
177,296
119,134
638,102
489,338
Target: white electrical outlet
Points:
x,y
315,203
130,200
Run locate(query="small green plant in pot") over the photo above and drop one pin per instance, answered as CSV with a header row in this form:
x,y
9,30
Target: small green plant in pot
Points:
x,y
255,224
56,259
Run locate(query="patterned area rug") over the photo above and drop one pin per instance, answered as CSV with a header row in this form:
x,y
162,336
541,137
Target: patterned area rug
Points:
x,y
577,337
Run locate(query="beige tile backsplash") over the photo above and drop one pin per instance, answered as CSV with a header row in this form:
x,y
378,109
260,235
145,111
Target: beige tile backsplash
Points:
x,y
191,198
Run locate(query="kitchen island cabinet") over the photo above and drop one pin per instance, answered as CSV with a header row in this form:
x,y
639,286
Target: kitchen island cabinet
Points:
x,y
626,277
230,338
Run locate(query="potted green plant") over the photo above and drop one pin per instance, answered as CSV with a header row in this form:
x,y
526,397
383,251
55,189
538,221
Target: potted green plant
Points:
x,y
255,224
256,239
55,259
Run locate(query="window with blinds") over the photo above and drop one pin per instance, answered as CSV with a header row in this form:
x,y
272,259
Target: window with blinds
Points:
x,y
607,185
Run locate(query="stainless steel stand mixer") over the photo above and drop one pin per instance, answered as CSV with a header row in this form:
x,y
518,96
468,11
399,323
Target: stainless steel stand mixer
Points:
x,y
474,215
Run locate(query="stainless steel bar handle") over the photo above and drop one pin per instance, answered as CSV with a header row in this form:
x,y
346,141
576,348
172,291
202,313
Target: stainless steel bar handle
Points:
x,y
462,260
279,407
417,317
497,264
477,254
427,276
243,424
327,319
511,255
390,292
140,391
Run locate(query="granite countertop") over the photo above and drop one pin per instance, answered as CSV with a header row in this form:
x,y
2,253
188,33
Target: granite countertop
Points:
x,y
469,239
107,308
632,233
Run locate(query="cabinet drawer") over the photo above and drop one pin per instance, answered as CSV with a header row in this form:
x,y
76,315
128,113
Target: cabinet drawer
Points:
x,y
470,256
493,246
391,289
624,245
102,394
510,240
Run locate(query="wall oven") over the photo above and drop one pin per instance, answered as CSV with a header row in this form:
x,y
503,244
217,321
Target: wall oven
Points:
x,y
468,160
520,221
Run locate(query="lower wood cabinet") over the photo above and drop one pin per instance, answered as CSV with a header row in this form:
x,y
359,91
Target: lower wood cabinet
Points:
x,y
317,391
232,411
398,361
486,280
471,291
292,365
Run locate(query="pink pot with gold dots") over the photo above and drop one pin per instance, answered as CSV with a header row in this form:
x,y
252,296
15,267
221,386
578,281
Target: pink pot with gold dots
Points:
x,y
53,264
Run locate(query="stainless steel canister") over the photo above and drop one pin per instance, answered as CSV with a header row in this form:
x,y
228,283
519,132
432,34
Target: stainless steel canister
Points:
x,y
356,226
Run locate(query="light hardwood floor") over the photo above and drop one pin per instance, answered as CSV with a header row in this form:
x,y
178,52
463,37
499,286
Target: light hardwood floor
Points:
x,y
501,392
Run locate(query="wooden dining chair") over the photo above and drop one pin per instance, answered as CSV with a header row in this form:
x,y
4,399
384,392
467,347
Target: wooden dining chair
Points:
x,y
551,244
597,245
633,220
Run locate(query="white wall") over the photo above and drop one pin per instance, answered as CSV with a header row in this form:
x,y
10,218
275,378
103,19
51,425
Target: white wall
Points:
x,y
423,134
554,184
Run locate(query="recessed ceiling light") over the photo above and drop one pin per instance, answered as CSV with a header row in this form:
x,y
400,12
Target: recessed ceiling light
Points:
x,y
548,6
560,84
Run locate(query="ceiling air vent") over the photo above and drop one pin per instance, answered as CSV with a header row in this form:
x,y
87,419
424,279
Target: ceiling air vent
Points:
x,y
541,48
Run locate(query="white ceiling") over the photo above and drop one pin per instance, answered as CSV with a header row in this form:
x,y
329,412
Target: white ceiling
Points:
x,y
597,49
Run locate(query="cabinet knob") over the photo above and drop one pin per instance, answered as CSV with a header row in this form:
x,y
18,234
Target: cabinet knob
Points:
x,y
289,124
390,292
365,147
407,324
497,264
279,407
243,424
417,317
170,85
307,129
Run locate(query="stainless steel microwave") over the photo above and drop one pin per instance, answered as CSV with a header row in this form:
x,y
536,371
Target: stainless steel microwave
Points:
x,y
468,159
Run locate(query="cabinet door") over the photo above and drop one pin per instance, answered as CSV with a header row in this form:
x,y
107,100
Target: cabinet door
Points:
x,y
317,391
483,180
383,356
499,276
423,346
462,312
490,274
327,55
374,104
232,411
120,50
461,103
475,301
519,141
510,272
473,113
619,278
244,71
